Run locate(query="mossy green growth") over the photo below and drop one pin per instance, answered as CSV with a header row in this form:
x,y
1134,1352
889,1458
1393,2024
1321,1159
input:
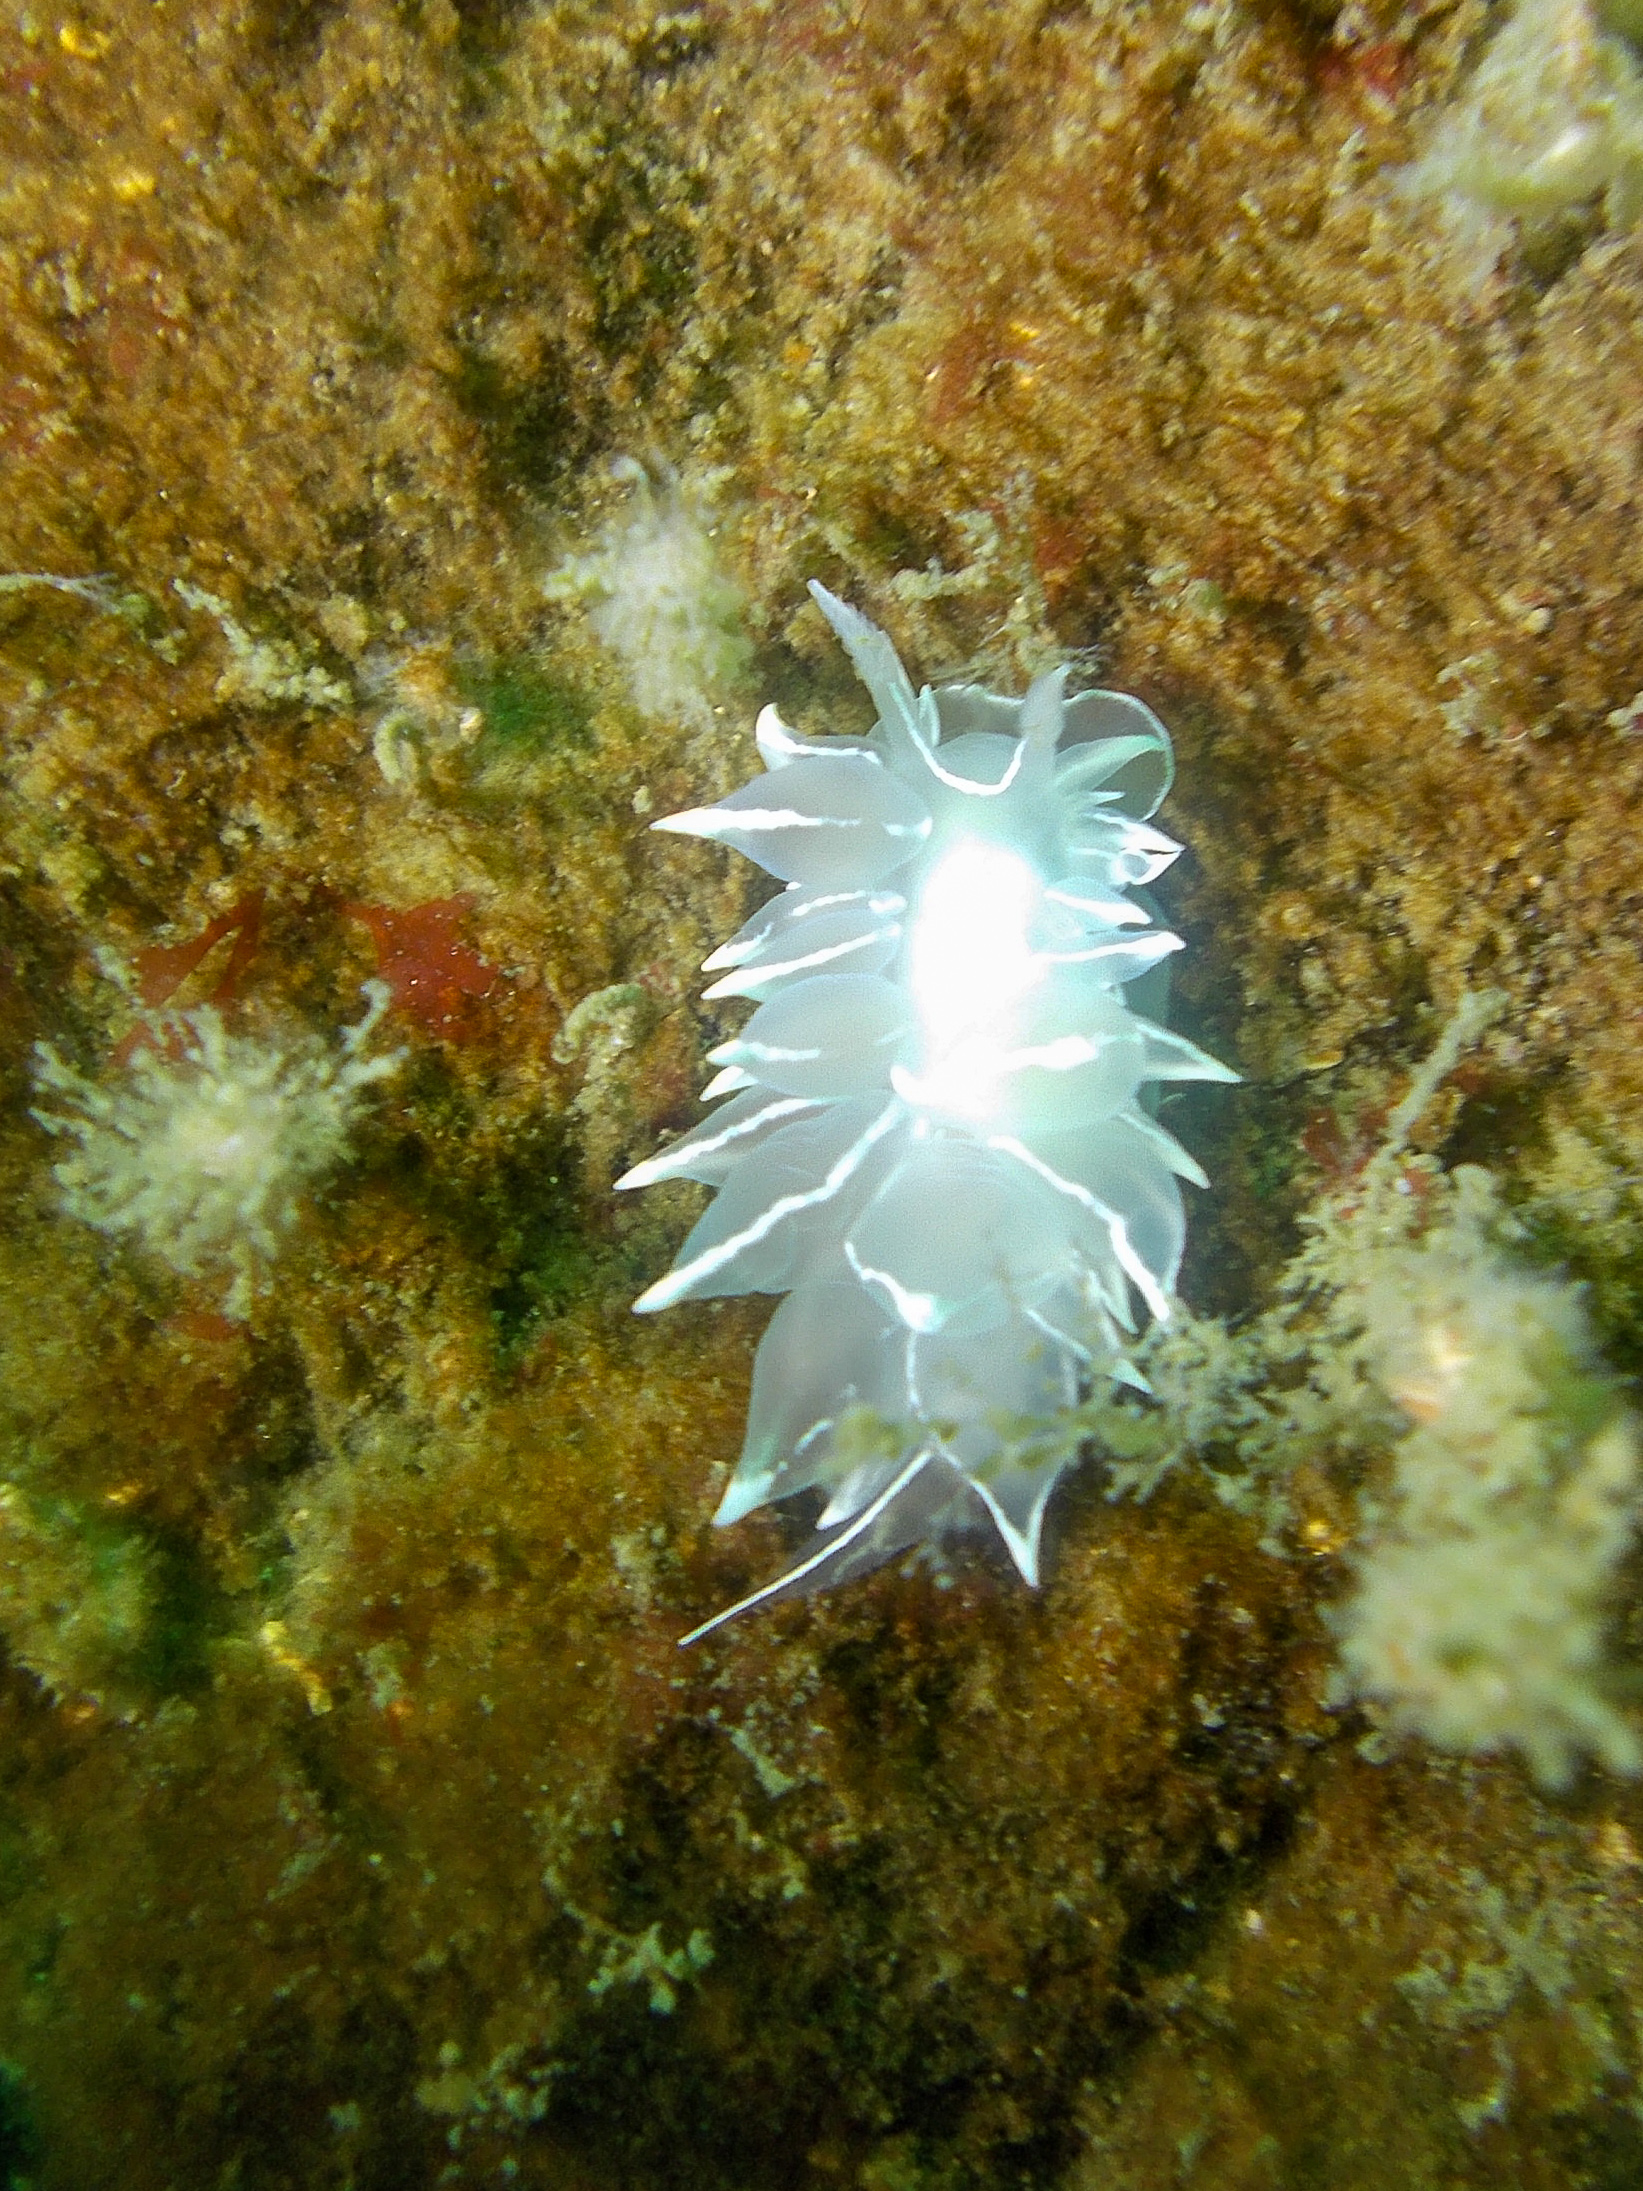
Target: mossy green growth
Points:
x,y
1603,1250
638,238
77,1596
540,1257
551,1265
190,1612
528,714
98,1606
20,2150
1624,17
1579,1397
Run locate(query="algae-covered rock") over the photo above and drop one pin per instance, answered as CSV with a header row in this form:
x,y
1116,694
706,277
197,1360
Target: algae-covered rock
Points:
x,y
380,387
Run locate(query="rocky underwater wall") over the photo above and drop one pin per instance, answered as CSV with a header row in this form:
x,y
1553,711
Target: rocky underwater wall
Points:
x,y
418,424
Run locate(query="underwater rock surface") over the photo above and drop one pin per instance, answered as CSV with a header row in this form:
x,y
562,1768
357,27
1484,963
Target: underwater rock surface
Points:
x,y
382,389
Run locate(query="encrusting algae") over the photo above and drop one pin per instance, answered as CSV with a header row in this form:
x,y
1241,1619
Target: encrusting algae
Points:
x,y
363,1822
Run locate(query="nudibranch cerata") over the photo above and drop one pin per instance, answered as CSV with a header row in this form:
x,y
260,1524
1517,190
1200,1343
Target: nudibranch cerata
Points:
x,y
930,1136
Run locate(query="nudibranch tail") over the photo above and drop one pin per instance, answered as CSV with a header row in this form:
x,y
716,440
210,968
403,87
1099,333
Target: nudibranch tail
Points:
x,y
933,1134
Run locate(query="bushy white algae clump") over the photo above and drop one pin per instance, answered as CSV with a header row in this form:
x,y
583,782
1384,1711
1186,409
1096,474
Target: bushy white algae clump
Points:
x,y
1410,1347
1551,121
204,1152
1477,1618
656,597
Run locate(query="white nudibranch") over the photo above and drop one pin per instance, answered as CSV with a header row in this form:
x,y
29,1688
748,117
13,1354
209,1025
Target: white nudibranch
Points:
x,y
934,1142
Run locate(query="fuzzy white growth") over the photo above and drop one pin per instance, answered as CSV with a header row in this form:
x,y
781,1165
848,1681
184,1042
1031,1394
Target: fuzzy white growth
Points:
x,y
1551,120
204,1153
1477,1620
934,1144
657,598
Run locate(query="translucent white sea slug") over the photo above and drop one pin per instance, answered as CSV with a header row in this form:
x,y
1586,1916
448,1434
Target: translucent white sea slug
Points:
x,y
934,1141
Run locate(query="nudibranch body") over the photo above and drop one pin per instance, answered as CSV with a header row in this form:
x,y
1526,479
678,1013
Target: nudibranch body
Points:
x,y
930,1134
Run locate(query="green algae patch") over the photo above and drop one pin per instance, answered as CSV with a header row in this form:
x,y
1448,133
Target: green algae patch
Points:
x,y
541,1256
78,1592
21,2153
191,1612
525,710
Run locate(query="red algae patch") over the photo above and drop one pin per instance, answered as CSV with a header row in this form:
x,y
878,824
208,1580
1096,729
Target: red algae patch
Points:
x,y
433,976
